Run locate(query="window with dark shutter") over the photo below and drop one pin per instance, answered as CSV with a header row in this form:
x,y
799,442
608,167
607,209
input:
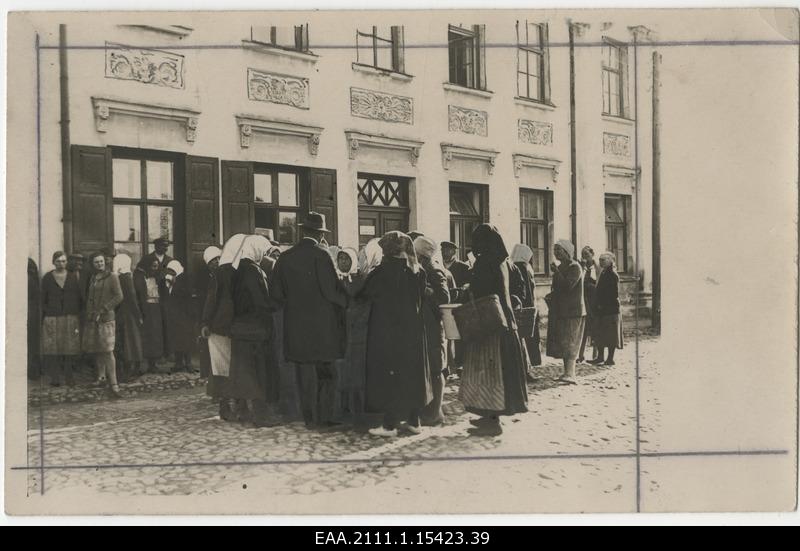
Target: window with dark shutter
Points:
x,y
92,210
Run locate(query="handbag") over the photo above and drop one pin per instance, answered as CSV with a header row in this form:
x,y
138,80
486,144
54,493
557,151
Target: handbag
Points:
x,y
480,318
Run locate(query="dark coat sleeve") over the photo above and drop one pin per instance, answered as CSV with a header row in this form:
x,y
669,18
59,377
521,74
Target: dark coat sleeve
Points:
x,y
567,280
46,289
129,294
436,290
277,289
328,282
210,302
140,286
114,295
606,298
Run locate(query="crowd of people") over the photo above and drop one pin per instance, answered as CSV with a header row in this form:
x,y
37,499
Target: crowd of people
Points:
x,y
334,336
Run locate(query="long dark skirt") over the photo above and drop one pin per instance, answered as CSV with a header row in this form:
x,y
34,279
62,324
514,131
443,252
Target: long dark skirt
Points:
x,y
484,356
253,375
607,331
153,332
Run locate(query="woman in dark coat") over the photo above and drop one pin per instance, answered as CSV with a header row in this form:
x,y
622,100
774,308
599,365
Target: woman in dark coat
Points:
x,y
34,321
151,292
491,276
206,280
216,321
590,275
253,377
128,347
607,331
351,368
567,316
436,294
521,257
61,307
398,375
181,329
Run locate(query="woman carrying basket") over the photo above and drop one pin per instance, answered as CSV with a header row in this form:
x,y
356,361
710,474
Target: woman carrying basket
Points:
x,y
494,371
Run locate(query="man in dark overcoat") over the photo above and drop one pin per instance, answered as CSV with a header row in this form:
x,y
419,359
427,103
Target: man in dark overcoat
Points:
x,y
305,282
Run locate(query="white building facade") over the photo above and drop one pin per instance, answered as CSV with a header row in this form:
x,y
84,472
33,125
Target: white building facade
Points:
x,y
205,125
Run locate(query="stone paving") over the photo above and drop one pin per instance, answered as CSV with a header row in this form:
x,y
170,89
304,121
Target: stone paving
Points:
x,y
172,443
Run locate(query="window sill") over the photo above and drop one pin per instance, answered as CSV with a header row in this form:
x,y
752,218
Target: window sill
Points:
x,y
450,87
275,50
525,102
370,70
618,120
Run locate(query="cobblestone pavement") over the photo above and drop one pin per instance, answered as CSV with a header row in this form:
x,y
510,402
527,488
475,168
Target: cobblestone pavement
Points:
x,y
172,443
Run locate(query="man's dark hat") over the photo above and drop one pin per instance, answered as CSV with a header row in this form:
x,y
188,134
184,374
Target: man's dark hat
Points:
x,y
315,221
448,244
76,256
164,240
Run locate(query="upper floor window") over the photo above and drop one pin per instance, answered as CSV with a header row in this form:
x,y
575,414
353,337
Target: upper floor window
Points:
x,y
381,47
615,79
533,63
467,53
289,38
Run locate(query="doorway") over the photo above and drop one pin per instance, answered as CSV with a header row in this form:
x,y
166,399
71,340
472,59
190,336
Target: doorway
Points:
x,y
382,206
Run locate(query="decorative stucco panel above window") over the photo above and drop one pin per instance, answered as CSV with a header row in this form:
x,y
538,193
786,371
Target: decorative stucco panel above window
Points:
x,y
145,66
618,145
379,106
535,132
468,121
275,88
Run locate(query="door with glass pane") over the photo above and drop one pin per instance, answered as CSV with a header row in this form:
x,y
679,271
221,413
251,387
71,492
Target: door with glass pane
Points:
x,y
468,208
382,205
536,225
143,192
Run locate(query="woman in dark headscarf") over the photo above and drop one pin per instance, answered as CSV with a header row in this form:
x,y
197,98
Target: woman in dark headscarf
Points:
x,y
398,379
509,395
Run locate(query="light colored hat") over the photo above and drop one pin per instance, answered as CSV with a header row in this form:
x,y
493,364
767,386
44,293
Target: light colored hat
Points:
x,y
521,253
211,253
176,267
567,246
425,246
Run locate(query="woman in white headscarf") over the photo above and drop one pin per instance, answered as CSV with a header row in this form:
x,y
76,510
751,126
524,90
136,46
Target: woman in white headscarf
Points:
x,y
211,262
567,310
370,256
351,368
216,327
254,376
181,323
521,256
129,322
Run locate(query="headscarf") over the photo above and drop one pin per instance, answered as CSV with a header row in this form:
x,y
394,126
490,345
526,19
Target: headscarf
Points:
x,y
353,263
176,267
521,253
370,256
121,264
231,248
567,246
398,244
487,242
425,246
333,251
211,253
254,247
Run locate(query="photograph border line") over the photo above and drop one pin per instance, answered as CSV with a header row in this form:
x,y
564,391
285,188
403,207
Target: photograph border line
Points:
x,y
638,455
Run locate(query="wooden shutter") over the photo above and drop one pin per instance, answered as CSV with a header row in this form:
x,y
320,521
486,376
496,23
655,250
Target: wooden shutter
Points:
x,y
398,49
546,62
202,213
92,201
238,215
480,56
323,198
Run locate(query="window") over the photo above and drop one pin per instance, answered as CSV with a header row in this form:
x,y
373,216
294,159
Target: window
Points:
x,y
536,225
533,71
468,208
467,49
381,47
288,38
276,198
144,204
615,79
618,222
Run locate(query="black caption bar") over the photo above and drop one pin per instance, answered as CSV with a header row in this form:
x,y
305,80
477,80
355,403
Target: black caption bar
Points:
x,y
394,535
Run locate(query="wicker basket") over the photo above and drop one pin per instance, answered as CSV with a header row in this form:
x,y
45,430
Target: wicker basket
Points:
x,y
481,318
